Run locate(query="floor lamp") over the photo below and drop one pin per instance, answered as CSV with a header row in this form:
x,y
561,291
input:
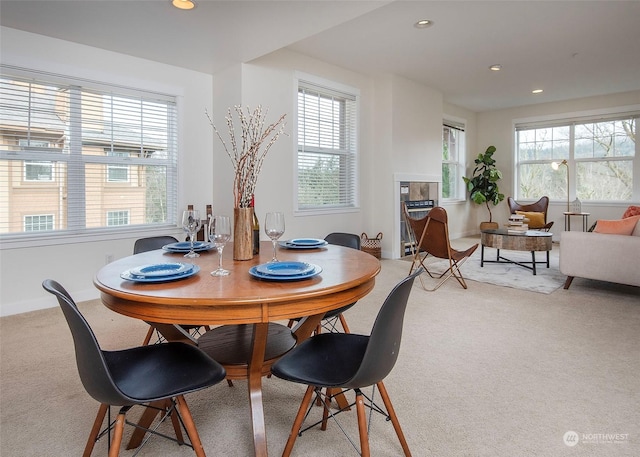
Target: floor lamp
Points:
x,y
555,166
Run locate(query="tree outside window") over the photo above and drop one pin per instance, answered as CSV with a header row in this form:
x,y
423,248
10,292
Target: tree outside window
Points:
x,y
601,156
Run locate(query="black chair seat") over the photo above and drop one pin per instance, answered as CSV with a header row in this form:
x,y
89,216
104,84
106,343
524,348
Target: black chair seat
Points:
x,y
142,375
327,359
337,312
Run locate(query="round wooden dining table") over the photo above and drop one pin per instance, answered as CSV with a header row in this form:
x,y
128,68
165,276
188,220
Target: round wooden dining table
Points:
x,y
240,298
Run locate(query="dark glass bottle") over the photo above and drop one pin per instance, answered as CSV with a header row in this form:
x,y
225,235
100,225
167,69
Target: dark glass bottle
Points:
x,y
256,229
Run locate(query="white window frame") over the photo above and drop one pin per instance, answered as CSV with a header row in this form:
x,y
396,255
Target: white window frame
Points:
x,y
118,167
40,163
460,161
569,120
58,157
51,223
118,215
328,87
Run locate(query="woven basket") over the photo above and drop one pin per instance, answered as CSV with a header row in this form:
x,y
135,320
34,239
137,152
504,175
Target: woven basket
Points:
x,y
372,246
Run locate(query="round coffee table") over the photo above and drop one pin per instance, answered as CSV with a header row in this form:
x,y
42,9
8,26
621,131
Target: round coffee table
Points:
x,y
530,240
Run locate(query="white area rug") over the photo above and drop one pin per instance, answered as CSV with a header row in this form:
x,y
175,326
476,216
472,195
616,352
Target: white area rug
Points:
x,y
545,281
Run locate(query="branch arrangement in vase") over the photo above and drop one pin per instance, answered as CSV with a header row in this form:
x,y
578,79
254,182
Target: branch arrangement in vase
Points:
x,y
248,150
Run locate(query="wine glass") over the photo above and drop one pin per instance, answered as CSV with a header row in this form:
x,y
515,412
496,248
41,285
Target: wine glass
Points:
x,y
191,223
274,228
219,234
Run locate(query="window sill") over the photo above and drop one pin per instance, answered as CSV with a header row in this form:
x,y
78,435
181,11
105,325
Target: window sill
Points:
x,y
60,239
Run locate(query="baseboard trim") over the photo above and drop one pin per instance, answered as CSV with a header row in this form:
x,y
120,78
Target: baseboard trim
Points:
x,y
46,302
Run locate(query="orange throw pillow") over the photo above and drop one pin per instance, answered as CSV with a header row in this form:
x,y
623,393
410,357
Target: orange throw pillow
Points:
x,y
536,220
618,226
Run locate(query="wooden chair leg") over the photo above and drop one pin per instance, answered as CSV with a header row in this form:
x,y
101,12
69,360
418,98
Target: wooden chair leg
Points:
x,y
394,419
343,322
190,426
297,423
326,403
118,430
97,424
362,425
147,338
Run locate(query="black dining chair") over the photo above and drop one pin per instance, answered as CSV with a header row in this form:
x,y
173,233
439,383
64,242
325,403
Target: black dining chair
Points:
x,y
159,374
331,318
151,244
349,361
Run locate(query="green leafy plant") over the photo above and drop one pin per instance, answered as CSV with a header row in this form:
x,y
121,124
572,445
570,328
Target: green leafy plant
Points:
x,y
482,186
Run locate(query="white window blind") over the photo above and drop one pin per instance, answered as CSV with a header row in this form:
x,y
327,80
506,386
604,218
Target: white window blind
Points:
x,y
327,148
84,150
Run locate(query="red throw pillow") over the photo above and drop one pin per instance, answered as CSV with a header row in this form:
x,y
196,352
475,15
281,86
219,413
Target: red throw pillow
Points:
x,y
631,211
617,227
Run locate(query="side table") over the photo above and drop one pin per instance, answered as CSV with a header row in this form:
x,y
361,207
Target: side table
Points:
x,y
567,220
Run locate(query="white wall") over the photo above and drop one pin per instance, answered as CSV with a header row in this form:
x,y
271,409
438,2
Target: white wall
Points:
x,y
74,264
497,128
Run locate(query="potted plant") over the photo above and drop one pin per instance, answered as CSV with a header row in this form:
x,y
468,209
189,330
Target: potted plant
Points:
x,y
482,186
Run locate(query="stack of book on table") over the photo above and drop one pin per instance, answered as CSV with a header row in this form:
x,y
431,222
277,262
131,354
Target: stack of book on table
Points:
x,y
517,224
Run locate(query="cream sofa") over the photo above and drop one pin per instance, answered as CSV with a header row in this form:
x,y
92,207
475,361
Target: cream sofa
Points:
x,y
614,258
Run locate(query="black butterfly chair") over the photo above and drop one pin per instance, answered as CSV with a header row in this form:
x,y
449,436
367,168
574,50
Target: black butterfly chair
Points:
x,y
137,376
350,361
331,318
150,244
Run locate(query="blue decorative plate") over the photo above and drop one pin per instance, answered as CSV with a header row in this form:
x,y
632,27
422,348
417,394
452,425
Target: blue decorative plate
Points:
x,y
256,274
173,277
306,242
303,245
284,268
161,269
185,246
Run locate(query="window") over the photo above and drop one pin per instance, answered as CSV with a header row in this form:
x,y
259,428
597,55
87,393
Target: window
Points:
x,y
115,218
78,149
453,157
38,223
117,173
35,170
327,148
601,155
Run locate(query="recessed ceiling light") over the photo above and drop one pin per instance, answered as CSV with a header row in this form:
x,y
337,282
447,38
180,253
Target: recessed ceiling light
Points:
x,y
536,91
496,67
184,4
423,24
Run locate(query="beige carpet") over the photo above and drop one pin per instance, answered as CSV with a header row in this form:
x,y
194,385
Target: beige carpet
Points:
x,y
489,371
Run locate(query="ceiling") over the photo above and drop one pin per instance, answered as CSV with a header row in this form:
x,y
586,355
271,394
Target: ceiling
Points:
x,y
570,49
